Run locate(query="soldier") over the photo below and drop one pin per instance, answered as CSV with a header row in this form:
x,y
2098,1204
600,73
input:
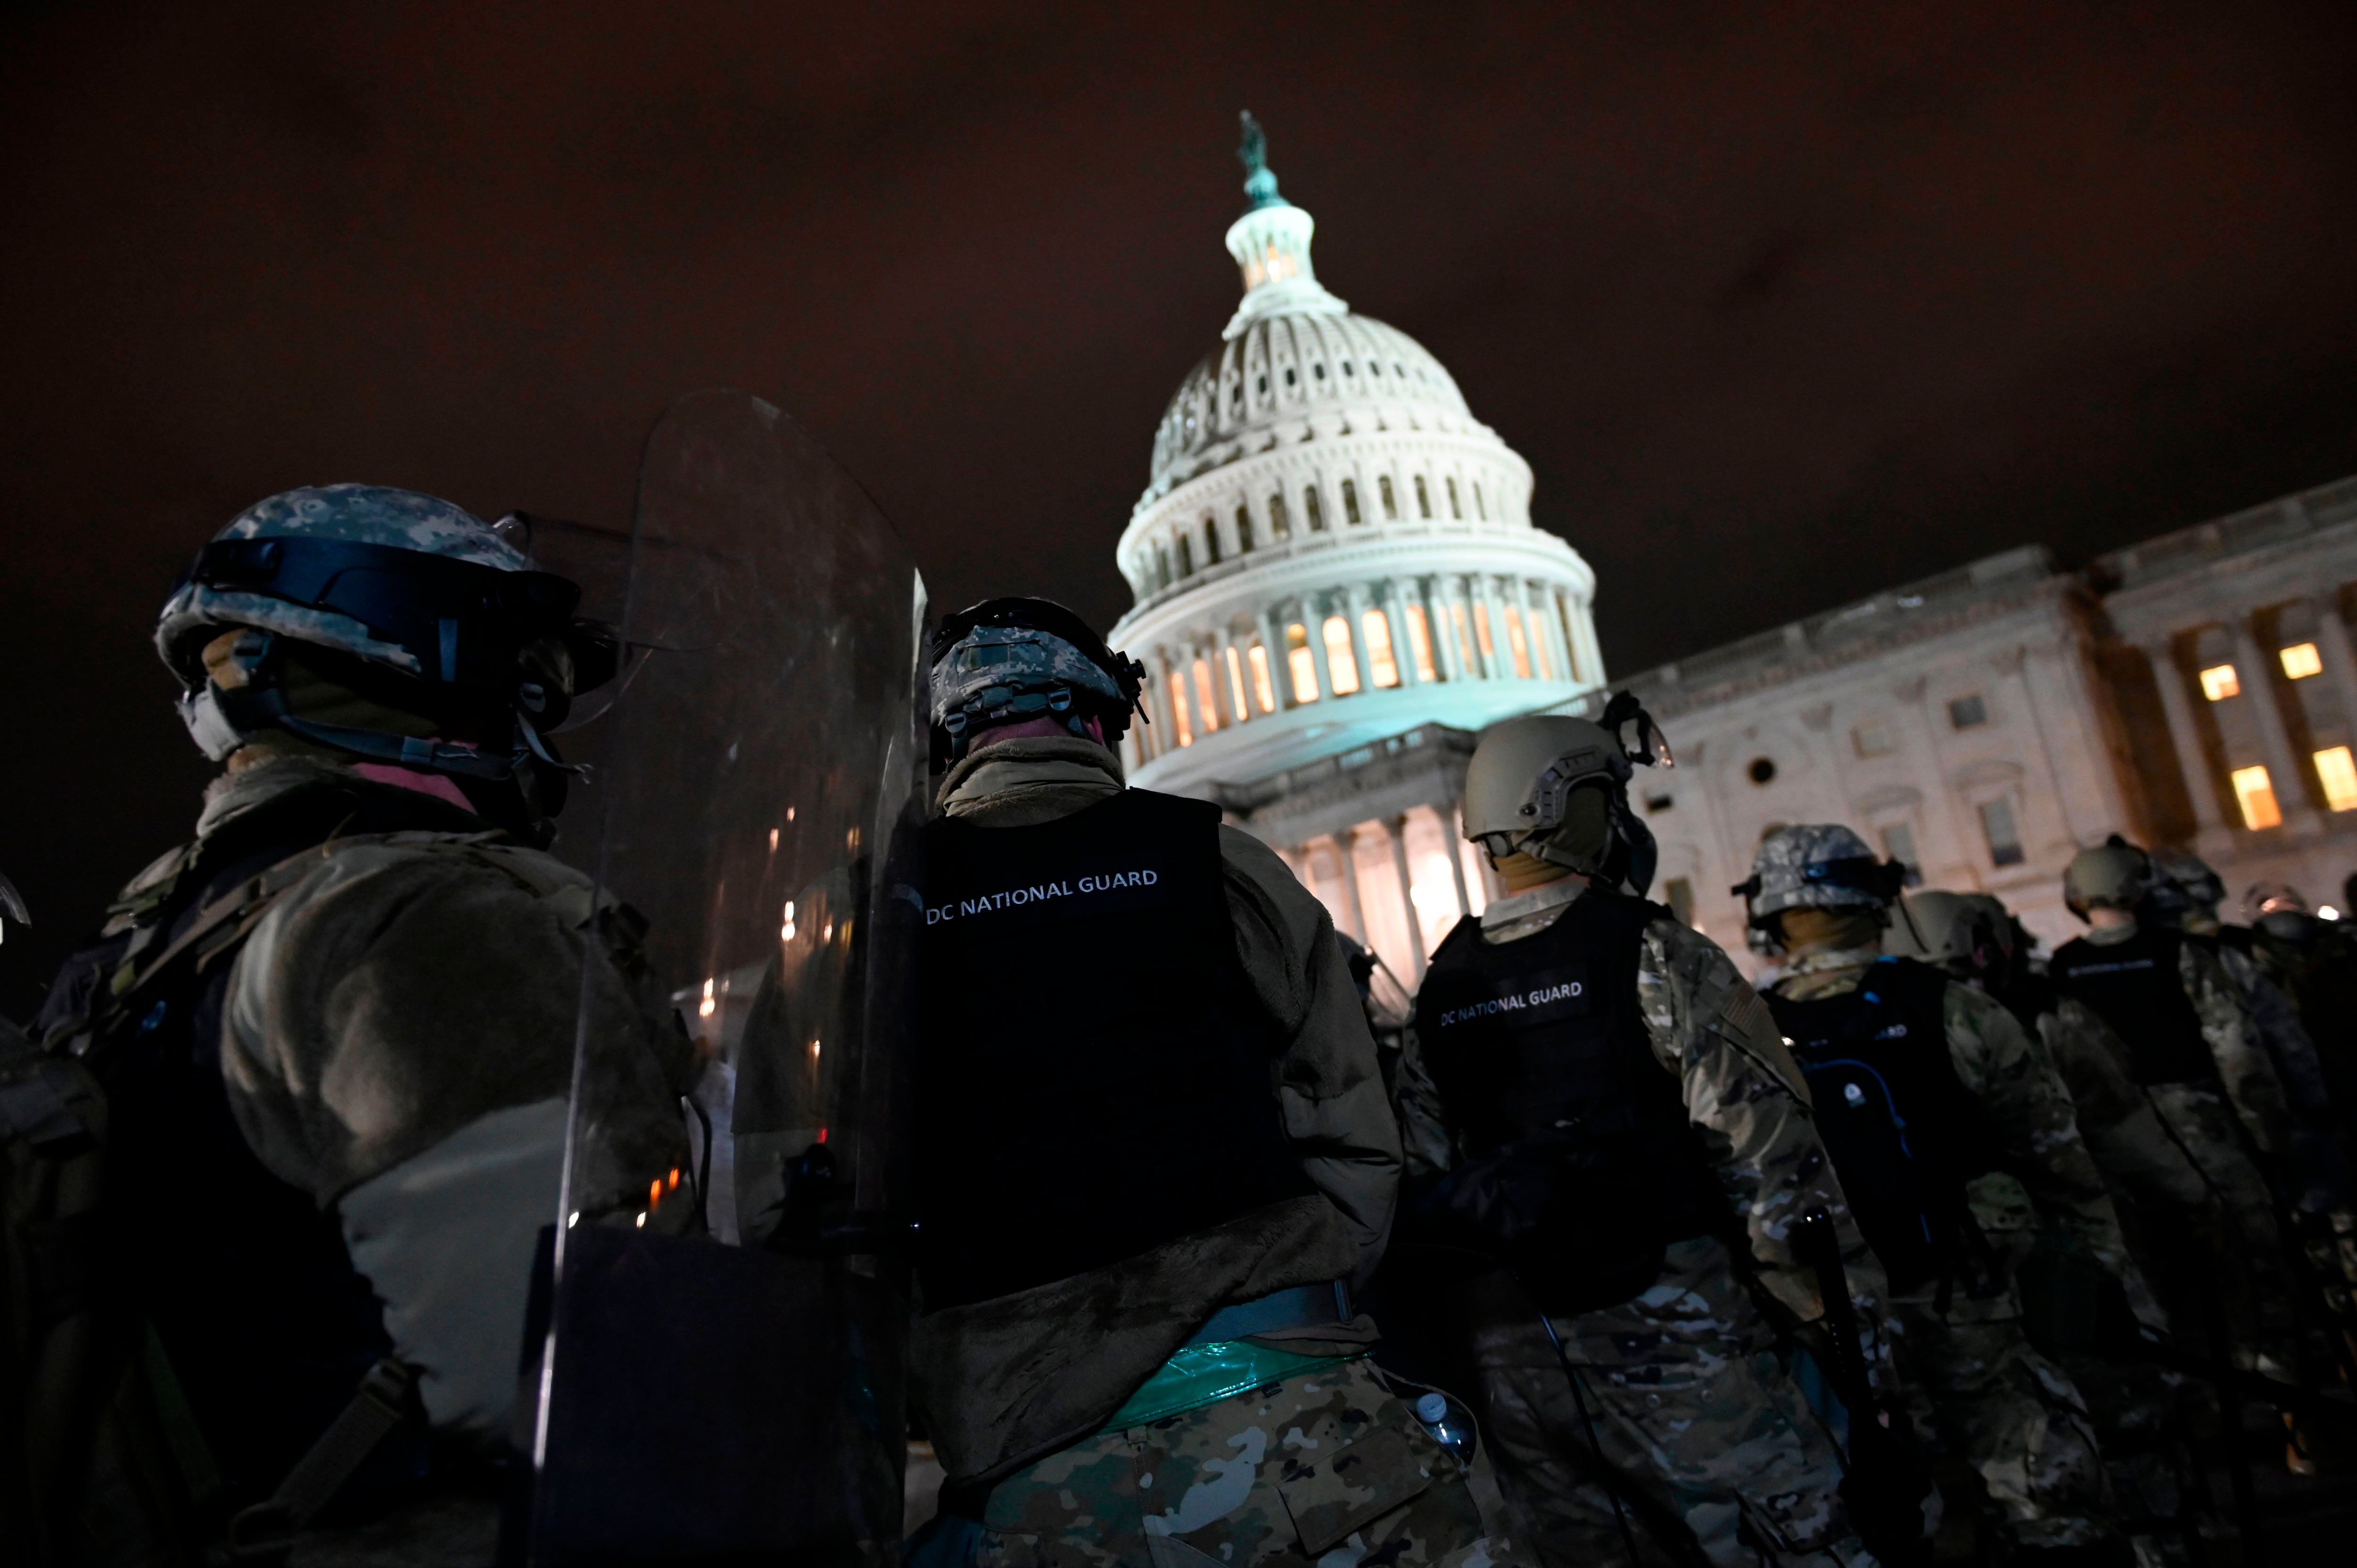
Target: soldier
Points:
x,y
1153,1158
322,1051
1955,1137
1594,1097
2186,1110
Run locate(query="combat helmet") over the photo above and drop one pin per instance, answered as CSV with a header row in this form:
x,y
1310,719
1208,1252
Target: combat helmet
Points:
x,y
1009,659
411,601
2115,874
1815,865
1556,787
2186,893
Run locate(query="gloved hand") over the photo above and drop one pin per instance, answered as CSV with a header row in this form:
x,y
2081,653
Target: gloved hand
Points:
x,y
1887,1484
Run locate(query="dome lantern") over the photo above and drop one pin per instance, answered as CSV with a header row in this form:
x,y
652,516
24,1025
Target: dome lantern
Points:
x,y
1271,245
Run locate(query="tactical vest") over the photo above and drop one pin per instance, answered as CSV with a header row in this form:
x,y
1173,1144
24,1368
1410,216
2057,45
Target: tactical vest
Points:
x,y
265,1327
2137,988
1904,1134
1578,1163
1094,1072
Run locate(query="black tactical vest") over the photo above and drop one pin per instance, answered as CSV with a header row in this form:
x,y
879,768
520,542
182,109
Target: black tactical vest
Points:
x,y
1579,1166
2137,988
267,1327
1095,1073
1904,1134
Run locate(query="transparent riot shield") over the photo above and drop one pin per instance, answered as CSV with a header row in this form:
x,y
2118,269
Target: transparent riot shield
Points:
x,y
717,1336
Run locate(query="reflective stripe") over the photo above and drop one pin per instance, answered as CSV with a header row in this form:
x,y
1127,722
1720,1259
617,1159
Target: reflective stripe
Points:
x,y
1205,1374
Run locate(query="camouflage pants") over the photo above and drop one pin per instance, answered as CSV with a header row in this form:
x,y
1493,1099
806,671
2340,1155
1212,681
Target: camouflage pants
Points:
x,y
1326,1465
1990,1400
1693,1411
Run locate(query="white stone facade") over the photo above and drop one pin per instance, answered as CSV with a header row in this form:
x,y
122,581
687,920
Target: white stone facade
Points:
x,y
1339,585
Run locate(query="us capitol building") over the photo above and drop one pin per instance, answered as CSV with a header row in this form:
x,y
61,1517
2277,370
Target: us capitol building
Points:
x,y
1339,585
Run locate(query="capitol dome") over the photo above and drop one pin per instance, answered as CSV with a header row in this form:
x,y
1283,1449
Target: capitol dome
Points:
x,y
1330,549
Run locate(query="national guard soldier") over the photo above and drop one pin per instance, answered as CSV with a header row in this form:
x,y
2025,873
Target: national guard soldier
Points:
x,y
323,1050
1596,1099
1956,1140
1154,1157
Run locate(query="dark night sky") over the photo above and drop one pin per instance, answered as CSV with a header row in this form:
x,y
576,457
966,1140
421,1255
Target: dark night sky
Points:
x,y
1782,303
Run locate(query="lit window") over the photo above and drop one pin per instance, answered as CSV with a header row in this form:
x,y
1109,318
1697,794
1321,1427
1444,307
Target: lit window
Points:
x,y
1454,508
1481,509
2257,794
2300,660
1540,656
1423,497
1377,630
1466,654
1515,642
1280,526
1301,663
1179,710
1967,712
2218,682
1419,638
1205,704
2338,773
1263,687
2003,837
1384,493
1871,738
1482,630
1341,664
2338,776
1210,542
1243,530
1243,707
1186,557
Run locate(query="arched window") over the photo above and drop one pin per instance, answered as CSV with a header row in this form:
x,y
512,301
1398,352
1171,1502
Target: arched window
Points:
x,y
1455,511
1391,502
1280,526
1377,630
1161,566
1206,704
1350,503
1419,637
1314,509
1243,530
1341,663
1210,542
1423,498
1186,556
1179,710
1264,683
1300,663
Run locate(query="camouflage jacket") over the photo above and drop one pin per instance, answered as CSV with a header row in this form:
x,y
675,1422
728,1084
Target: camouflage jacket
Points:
x,y
2029,1108
1743,1091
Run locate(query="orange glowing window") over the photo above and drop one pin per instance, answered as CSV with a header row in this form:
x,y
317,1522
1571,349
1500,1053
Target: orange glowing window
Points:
x,y
1263,687
1515,640
1300,663
1179,710
2300,660
1205,704
1377,630
1239,704
1419,638
1342,663
2256,793
2219,682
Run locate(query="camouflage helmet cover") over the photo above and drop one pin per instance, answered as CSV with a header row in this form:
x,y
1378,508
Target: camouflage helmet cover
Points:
x,y
1821,865
343,514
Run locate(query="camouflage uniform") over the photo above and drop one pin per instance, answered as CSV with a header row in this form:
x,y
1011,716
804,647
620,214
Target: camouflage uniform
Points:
x,y
1327,1463
1971,1375
2179,1157
1693,1409
1017,1390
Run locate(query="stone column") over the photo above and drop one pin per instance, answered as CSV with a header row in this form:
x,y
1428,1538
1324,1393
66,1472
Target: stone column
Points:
x,y
1280,671
1313,621
2286,769
1352,907
1395,829
2340,665
1203,722
1467,646
1354,609
1221,641
1449,824
1443,629
1591,656
1501,647
1403,639
2210,835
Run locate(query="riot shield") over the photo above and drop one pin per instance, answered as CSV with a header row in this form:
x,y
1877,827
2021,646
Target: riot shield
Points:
x,y
717,1371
